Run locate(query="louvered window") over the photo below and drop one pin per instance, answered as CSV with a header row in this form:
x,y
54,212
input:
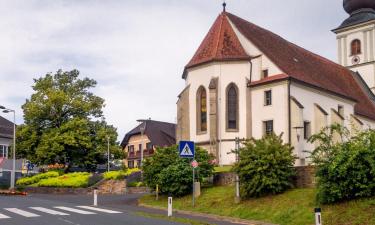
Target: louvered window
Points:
x,y
356,47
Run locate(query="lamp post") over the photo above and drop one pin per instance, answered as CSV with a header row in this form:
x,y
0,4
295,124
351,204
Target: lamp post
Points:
x,y
13,174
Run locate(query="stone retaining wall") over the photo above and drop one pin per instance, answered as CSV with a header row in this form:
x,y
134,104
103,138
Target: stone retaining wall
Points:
x,y
305,177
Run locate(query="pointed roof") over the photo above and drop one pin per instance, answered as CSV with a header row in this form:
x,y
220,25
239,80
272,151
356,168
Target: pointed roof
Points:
x,y
306,67
220,44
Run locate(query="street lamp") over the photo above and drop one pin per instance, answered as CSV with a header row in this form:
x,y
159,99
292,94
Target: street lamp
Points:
x,y
13,174
108,152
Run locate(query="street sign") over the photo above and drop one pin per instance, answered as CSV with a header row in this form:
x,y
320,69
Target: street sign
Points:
x,y
194,164
187,149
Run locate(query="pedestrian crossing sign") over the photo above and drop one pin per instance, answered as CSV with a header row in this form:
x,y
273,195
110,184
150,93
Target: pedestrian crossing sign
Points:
x,y
187,149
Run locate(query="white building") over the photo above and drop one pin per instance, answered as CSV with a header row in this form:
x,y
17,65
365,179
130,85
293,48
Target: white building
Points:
x,y
6,137
245,81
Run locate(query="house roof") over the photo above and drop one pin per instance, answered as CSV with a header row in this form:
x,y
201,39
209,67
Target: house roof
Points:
x,y
220,44
160,133
307,67
6,128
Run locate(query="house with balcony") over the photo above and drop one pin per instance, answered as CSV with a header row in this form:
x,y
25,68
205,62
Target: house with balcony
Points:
x,y
146,137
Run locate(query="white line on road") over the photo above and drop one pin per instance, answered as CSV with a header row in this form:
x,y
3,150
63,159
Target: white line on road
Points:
x,y
21,212
2,216
49,211
74,210
98,209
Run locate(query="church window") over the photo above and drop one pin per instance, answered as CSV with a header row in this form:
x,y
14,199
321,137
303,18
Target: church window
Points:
x,y
268,97
268,127
232,107
264,74
356,47
202,109
306,130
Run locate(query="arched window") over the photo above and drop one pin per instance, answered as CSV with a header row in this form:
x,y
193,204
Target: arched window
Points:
x,y
232,107
356,47
202,109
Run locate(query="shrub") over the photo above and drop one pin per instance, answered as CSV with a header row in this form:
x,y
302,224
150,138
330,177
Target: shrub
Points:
x,y
174,174
120,174
345,169
36,178
265,166
72,180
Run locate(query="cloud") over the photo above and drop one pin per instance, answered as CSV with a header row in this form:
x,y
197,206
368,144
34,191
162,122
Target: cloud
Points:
x,y
136,50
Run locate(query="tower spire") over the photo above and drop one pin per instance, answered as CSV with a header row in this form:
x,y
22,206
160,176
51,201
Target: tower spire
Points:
x,y
224,6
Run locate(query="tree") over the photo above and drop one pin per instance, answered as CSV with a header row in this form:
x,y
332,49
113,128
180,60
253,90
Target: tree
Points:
x,y
345,169
265,166
174,174
64,123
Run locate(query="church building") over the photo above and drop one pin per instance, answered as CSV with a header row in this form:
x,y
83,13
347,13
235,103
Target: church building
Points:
x,y
245,81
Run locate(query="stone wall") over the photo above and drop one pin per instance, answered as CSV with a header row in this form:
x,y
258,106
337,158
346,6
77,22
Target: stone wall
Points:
x,y
305,177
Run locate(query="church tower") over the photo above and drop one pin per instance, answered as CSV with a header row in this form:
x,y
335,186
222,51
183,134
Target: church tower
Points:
x,y
356,39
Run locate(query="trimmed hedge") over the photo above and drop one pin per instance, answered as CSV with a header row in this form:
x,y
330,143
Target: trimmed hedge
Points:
x,y
71,180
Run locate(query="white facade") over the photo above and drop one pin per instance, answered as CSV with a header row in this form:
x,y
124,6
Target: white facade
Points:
x,y
297,109
364,62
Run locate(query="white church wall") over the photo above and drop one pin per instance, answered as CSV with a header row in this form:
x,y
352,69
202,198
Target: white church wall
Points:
x,y
278,111
259,64
367,73
308,97
367,123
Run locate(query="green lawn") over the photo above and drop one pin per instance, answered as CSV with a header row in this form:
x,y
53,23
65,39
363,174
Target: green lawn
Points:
x,y
294,207
173,219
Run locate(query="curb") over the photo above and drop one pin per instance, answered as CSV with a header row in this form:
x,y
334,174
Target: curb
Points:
x,y
210,216
13,193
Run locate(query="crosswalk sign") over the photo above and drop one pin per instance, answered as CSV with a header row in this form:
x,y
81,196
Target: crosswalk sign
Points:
x,y
187,149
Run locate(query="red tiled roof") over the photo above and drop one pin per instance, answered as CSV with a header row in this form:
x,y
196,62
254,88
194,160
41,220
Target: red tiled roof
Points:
x,y
269,79
221,43
306,66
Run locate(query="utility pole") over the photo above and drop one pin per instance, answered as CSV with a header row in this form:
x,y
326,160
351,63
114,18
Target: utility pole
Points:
x,y
108,153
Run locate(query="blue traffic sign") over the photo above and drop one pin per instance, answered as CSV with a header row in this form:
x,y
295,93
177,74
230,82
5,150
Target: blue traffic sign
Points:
x,y
187,149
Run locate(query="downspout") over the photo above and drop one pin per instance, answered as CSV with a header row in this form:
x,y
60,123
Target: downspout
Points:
x,y
289,115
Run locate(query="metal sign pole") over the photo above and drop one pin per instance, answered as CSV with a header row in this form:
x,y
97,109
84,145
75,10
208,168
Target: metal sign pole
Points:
x,y
193,184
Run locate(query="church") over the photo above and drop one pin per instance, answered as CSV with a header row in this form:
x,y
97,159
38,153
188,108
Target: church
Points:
x,y
245,81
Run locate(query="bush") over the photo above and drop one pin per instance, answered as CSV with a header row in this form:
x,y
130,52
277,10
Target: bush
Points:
x,y
265,166
36,178
120,174
345,169
174,174
71,180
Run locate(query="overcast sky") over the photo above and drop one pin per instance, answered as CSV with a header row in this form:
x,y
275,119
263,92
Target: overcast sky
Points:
x,y
137,50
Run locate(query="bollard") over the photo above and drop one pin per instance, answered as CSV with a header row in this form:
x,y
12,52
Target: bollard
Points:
x,y
169,206
95,197
318,216
157,192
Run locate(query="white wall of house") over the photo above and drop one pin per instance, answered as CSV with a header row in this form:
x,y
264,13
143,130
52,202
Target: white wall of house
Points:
x,y
4,145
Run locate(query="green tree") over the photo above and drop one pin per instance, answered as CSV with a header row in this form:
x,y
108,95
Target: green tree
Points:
x,y
265,166
174,174
345,169
64,123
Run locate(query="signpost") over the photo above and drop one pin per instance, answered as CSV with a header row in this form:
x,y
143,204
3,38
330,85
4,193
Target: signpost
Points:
x,y
187,150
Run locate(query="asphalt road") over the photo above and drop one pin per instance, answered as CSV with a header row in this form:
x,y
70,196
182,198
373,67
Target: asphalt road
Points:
x,y
70,210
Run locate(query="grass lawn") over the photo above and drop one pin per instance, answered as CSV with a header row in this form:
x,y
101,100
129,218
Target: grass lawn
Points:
x,y
294,207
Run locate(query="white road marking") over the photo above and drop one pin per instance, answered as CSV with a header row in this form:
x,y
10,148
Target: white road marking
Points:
x,y
98,209
21,212
74,210
49,211
2,216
